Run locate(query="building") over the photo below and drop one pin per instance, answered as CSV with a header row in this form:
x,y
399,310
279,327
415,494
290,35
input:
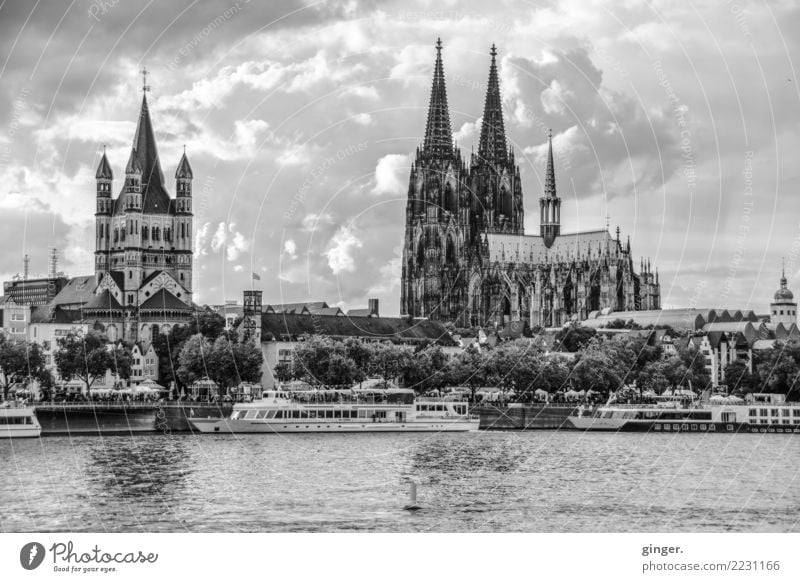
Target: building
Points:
x,y
34,292
144,364
466,257
143,256
16,317
783,309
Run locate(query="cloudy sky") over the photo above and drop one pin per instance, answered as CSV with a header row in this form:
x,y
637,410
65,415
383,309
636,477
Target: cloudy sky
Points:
x,y
677,120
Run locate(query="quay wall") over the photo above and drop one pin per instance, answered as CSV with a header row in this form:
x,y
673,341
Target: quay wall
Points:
x,y
173,416
530,417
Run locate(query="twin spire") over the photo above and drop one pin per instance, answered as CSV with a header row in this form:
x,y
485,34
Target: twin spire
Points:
x,y
438,133
492,145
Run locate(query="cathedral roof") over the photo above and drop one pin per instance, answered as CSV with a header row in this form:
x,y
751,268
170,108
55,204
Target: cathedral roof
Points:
x,y
104,169
492,145
184,169
77,291
144,159
438,134
531,249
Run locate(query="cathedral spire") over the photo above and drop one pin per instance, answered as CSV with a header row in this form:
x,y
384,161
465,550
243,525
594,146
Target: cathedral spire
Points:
x,y
492,145
550,173
438,136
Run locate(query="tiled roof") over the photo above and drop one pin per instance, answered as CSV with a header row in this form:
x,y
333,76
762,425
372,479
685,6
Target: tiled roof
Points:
x,y
281,325
295,307
164,300
103,301
77,291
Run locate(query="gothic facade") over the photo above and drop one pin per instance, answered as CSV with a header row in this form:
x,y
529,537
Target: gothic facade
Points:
x,y
466,257
143,244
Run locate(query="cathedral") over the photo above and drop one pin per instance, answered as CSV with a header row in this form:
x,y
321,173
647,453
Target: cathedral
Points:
x,y
466,257
143,256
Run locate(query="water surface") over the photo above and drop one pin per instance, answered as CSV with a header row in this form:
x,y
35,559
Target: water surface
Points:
x,y
535,481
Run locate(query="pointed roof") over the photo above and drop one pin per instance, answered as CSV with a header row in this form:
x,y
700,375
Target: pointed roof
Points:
x,y
184,169
163,300
104,169
492,145
144,159
550,174
104,300
438,135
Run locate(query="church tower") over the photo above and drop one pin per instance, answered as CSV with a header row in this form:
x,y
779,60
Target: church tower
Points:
x,y
783,309
550,203
143,253
437,215
494,175
104,178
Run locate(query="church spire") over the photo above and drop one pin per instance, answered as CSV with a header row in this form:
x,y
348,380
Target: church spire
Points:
x,y
145,154
550,173
492,145
438,136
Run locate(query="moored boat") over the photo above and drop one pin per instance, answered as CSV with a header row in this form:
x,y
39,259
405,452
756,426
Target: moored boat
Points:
x,y
18,422
764,413
392,410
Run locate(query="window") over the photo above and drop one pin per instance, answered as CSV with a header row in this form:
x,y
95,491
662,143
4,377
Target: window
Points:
x,y
17,317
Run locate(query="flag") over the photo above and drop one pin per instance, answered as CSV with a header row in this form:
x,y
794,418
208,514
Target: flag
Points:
x,y
256,277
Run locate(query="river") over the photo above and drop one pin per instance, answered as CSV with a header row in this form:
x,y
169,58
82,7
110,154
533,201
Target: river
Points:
x,y
535,481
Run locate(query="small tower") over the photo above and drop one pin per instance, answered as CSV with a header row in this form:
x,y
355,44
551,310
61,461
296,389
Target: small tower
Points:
x,y
251,324
550,203
783,309
104,177
183,222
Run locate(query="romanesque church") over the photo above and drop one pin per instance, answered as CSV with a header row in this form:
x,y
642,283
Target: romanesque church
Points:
x,y
466,257
143,256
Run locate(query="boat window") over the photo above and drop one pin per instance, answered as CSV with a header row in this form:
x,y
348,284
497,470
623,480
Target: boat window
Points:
x,y
784,412
337,414
796,412
261,414
312,414
279,414
774,412
762,411
250,414
753,412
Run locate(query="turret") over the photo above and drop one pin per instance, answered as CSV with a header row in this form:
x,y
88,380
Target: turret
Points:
x,y
550,203
183,185
104,177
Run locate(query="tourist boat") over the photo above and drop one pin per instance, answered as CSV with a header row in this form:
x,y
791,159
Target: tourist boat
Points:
x,y
18,422
354,410
763,413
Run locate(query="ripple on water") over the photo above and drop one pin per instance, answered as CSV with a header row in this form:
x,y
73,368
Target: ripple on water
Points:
x,y
488,481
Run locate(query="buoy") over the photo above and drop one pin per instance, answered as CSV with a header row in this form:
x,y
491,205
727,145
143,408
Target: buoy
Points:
x,y
412,498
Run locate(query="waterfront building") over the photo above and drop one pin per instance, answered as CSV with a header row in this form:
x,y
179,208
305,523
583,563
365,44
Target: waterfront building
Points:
x,y
466,257
144,364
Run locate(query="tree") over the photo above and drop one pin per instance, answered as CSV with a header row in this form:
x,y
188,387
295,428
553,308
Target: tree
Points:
x,y
574,337
87,357
778,369
388,360
231,362
193,359
695,362
739,378
19,360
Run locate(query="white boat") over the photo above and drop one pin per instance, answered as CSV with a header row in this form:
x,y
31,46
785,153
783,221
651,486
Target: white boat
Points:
x,y
763,413
18,422
392,410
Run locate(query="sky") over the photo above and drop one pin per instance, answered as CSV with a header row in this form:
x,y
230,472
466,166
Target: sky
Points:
x,y
677,121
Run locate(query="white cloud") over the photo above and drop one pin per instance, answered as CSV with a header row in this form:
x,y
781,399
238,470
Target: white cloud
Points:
x,y
340,251
227,240
290,248
312,222
390,173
